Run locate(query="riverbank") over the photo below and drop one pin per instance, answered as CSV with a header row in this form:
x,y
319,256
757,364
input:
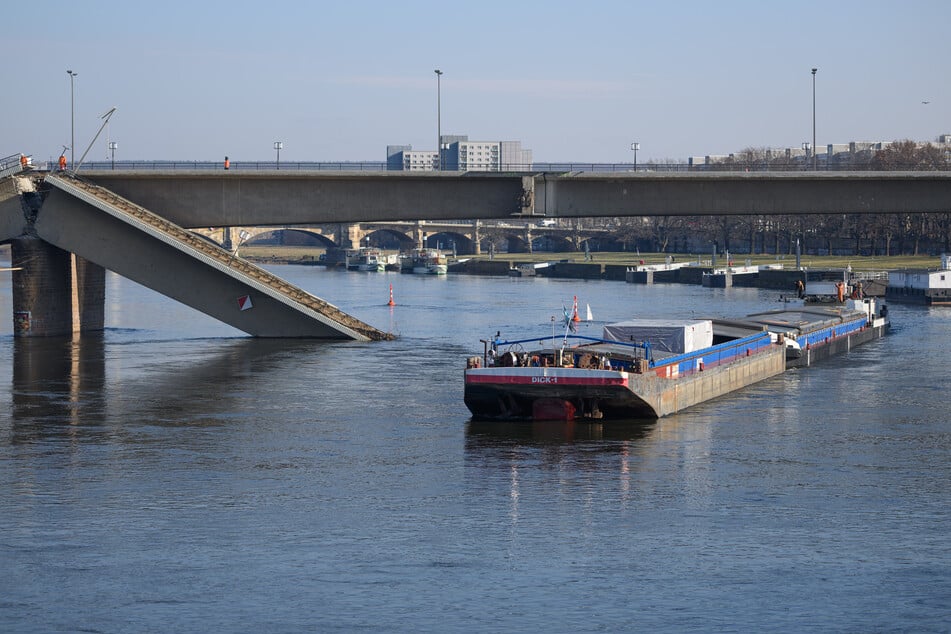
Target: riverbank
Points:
x,y
311,256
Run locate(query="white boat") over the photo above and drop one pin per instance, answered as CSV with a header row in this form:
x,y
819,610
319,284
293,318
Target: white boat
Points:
x,y
931,287
427,262
366,259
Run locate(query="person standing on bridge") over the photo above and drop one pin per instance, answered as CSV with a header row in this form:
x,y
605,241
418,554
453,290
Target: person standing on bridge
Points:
x,y
62,162
227,163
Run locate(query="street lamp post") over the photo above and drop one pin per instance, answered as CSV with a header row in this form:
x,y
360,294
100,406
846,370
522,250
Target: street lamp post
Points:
x,y
635,146
278,145
72,119
112,148
438,120
814,119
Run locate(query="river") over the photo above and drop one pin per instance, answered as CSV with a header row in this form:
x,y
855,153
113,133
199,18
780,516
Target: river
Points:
x,y
175,475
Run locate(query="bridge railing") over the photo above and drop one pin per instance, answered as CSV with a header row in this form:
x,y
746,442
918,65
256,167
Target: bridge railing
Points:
x,y
10,165
381,166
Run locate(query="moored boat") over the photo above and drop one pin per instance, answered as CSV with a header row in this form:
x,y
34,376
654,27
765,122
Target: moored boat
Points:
x,y
931,287
426,262
368,259
365,259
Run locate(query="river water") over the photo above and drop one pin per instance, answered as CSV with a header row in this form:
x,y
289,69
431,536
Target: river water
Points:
x,y
175,475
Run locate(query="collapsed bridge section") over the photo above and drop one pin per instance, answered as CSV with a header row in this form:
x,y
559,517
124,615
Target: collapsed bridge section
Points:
x,y
119,235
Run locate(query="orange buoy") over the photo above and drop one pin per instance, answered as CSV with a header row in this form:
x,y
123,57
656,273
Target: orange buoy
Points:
x,y
391,302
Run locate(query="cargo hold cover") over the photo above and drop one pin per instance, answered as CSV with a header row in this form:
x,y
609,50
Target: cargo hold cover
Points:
x,y
663,335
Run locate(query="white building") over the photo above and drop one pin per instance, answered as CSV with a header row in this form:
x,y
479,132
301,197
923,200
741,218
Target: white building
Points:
x,y
403,157
459,154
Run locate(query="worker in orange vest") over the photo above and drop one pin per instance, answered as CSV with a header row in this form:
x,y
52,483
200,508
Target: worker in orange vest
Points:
x,y
62,162
227,163
24,161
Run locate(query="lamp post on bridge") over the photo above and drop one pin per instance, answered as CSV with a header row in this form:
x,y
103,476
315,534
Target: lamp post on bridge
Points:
x,y
438,120
112,148
278,145
72,119
635,146
814,164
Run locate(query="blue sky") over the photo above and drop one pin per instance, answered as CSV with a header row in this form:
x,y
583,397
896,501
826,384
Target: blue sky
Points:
x,y
573,81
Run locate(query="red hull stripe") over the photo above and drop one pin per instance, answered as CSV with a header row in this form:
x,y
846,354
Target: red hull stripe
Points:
x,y
539,379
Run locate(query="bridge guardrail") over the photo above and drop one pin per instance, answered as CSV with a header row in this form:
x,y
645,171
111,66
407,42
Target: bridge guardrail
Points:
x,y
10,165
381,166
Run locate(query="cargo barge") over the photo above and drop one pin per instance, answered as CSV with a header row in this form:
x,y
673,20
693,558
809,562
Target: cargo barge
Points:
x,y
649,369
637,369
813,332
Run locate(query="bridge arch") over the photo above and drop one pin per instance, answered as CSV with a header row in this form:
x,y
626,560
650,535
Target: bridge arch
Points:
x,y
290,237
458,243
553,243
385,238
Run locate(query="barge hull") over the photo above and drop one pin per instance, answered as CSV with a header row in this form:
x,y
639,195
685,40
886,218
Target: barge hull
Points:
x,y
621,395
812,354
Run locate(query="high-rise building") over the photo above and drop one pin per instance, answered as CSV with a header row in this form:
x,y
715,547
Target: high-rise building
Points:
x,y
403,157
459,154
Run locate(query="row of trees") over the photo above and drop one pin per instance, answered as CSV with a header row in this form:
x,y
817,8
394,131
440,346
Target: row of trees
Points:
x,y
845,234
840,234
898,155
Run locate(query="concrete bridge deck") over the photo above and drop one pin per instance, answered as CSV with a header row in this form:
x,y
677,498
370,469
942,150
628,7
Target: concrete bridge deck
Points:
x,y
110,231
232,198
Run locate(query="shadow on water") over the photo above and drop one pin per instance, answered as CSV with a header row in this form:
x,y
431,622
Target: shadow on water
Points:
x,y
62,386
496,433
572,446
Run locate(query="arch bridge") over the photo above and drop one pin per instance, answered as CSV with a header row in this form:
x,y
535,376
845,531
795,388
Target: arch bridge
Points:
x,y
461,237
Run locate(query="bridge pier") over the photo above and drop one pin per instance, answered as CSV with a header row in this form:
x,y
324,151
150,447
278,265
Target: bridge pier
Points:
x,y
354,237
55,293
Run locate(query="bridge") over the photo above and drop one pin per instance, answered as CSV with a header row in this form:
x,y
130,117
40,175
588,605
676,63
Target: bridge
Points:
x,y
460,237
202,198
65,230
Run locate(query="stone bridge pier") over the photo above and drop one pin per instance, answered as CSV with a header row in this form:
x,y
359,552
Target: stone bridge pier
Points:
x,y
63,294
